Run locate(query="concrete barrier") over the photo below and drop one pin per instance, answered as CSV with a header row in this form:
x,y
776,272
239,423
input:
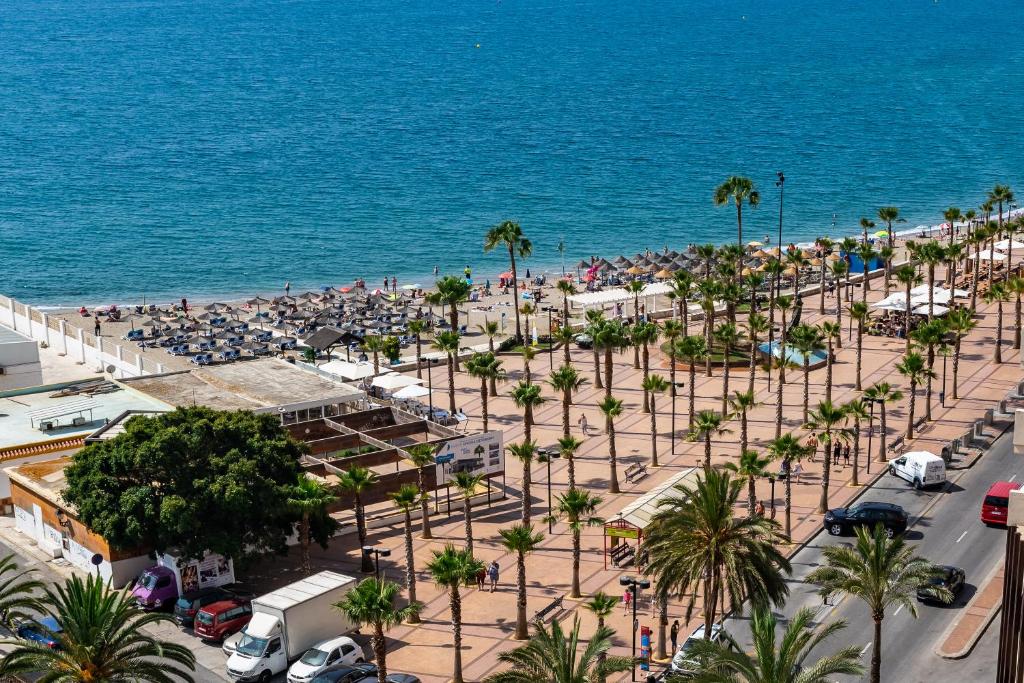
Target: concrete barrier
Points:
x,y
979,429
990,416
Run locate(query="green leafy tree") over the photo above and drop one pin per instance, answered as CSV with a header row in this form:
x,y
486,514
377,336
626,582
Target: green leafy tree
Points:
x,y
467,483
788,449
611,407
510,235
883,394
915,369
451,569
160,482
487,368
448,343
522,540
310,499
372,603
391,348
406,498
882,572
103,638
739,191
579,509
373,343
654,385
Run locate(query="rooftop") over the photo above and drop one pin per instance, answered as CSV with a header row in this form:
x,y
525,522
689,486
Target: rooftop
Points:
x,y
43,478
251,385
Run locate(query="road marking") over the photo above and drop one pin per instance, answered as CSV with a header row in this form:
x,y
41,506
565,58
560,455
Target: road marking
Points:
x,y
961,537
866,648
898,609
1012,478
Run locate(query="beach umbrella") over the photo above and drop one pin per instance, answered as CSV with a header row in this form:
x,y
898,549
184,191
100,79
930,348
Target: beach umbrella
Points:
x,y
987,255
832,257
1005,245
789,272
411,392
880,233
257,301
393,381
760,253
815,261
307,296
635,270
672,253
755,243
663,274
410,288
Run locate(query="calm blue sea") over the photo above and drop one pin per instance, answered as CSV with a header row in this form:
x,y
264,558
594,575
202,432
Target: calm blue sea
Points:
x,y
163,148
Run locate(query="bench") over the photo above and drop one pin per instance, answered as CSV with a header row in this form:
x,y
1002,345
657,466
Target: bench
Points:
x,y
897,446
622,554
552,606
636,472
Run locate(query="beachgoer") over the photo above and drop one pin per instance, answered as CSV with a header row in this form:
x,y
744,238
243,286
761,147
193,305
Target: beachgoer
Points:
x,y
468,272
492,572
184,304
394,284
767,240
287,288
674,634
582,422
96,326
836,450
436,271
846,454
627,600
385,283
759,508
481,576
812,446
798,471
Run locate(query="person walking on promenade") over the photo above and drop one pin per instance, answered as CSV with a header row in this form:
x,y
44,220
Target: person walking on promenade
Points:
x,y
798,471
582,422
492,572
812,446
846,455
674,635
627,600
836,450
481,576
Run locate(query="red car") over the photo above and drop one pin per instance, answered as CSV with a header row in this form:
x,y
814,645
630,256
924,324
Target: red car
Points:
x,y
997,500
221,619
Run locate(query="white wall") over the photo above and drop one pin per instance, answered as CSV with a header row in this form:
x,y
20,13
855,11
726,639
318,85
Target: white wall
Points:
x,y
19,359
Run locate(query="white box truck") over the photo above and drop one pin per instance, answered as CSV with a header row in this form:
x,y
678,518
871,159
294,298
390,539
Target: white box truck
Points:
x,y
287,622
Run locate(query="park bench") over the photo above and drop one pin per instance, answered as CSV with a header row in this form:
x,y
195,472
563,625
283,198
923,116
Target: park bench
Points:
x,y
636,472
552,606
622,554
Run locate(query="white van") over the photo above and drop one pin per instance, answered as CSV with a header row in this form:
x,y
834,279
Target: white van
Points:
x,y
920,468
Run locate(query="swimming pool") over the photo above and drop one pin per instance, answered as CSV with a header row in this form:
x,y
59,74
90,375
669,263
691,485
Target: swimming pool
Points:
x,y
817,359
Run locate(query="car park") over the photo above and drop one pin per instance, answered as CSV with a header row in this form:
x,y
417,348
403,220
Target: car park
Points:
x,y
682,661
221,619
44,631
334,652
840,521
920,468
951,578
997,502
346,674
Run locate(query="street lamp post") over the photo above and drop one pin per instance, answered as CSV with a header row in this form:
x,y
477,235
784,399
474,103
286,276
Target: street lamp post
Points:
x,y
675,390
771,478
545,455
378,551
871,432
430,384
633,585
551,338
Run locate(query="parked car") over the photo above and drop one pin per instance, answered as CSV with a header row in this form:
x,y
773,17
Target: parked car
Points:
x,y
996,503
951,578
920,468
342,673
336,651
230,643
42,631
840,521
393,678
681,660
221,619
584,341
188,605
155,588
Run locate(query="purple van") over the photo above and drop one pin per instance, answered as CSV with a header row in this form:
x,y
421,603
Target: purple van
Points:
x,y
156,588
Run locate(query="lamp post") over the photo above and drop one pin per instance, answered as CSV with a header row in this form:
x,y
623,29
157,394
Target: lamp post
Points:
x,y
771,478
546,456
633,585
378,551
871,431
551,346
675,390
430,385
947,339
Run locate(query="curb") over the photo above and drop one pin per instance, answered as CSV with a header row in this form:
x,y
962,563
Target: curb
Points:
x,y
986,621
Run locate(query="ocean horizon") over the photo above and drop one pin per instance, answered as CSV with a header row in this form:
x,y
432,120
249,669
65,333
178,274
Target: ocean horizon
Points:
x,y
165,148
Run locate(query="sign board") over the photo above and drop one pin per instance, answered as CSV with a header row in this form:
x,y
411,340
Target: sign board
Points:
x,y
479,454
209,572
618,532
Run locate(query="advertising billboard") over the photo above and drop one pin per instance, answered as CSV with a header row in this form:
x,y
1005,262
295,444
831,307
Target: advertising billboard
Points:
x,y
479,454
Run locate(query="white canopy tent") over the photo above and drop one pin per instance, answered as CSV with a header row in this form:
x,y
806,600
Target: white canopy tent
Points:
x,y
346,370
617,295
411,391
393,381
987,255
922,290
922,309
1005,245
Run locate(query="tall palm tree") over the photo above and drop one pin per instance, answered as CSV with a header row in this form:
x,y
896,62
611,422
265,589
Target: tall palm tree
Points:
x,y
859,312
696,541
748,468
451,569
528,353
886,253
611,336
710,291
960,323
773,267
450,291
706,424
510,234
930,335
567,380
915,369
840,271
487,368
527,397
882,572
741,404
952,216
788,449
565,336
553,656
467,484
830,331
448,343
372,603
856,412
307,498
525,452
634,287
866,225
654,385
579,509
890,215
757,325
826,245
416,328
520,539
373,343
601,605
682,284
998,195
104,638
405,499
866,253
672,331
740,191
706,254
931,254
976,239
611,407
807,340
797,262
356,480
693,348
907,276
422,456
997,294
490,329
567,447
728,337
1015,286
642,336
826,419
595,320
567,289
783,303
17,586
883,394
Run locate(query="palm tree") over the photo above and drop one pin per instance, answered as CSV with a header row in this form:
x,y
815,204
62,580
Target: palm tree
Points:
x,y
890,215
416,329
727,662
567,380
356,480
750,466
372,603
511,235
695,540
959,322
601,605
756,325
448,342
929,335
914,368
797,262
830,331
1015,286
866,225
525,452
693,348
422,456
643,335
528,353
567,289
567,447
595,320
553,656
373,343
999,194
826,419
710,291
673,331
708,423
451,291
859,312
807,340
932,254
976,239
520,539
406,498
997,294
451,569
856,411
880,571
682,284
565,336
309,497
865,252
907,276
784,303
952,216
728,337
634,287
612,408
611,335
741,191
839,271
579,509
104,638
654,385
883,394
886,253
17,585
706,254
741,404
485,367
527,397
788,449
773,267
467,484
490,329
826,246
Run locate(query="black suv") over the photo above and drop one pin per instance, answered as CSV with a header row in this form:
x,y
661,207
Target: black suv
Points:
x,y
843,520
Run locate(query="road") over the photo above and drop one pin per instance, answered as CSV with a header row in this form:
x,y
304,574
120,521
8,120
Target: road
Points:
x,y
945,528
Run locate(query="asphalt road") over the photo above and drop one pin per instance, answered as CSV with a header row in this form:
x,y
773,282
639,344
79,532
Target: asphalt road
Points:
x,y
945,528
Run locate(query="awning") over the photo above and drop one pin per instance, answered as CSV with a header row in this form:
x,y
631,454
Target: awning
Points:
x,y
640,511
612,296
348,371
411,391
394,381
